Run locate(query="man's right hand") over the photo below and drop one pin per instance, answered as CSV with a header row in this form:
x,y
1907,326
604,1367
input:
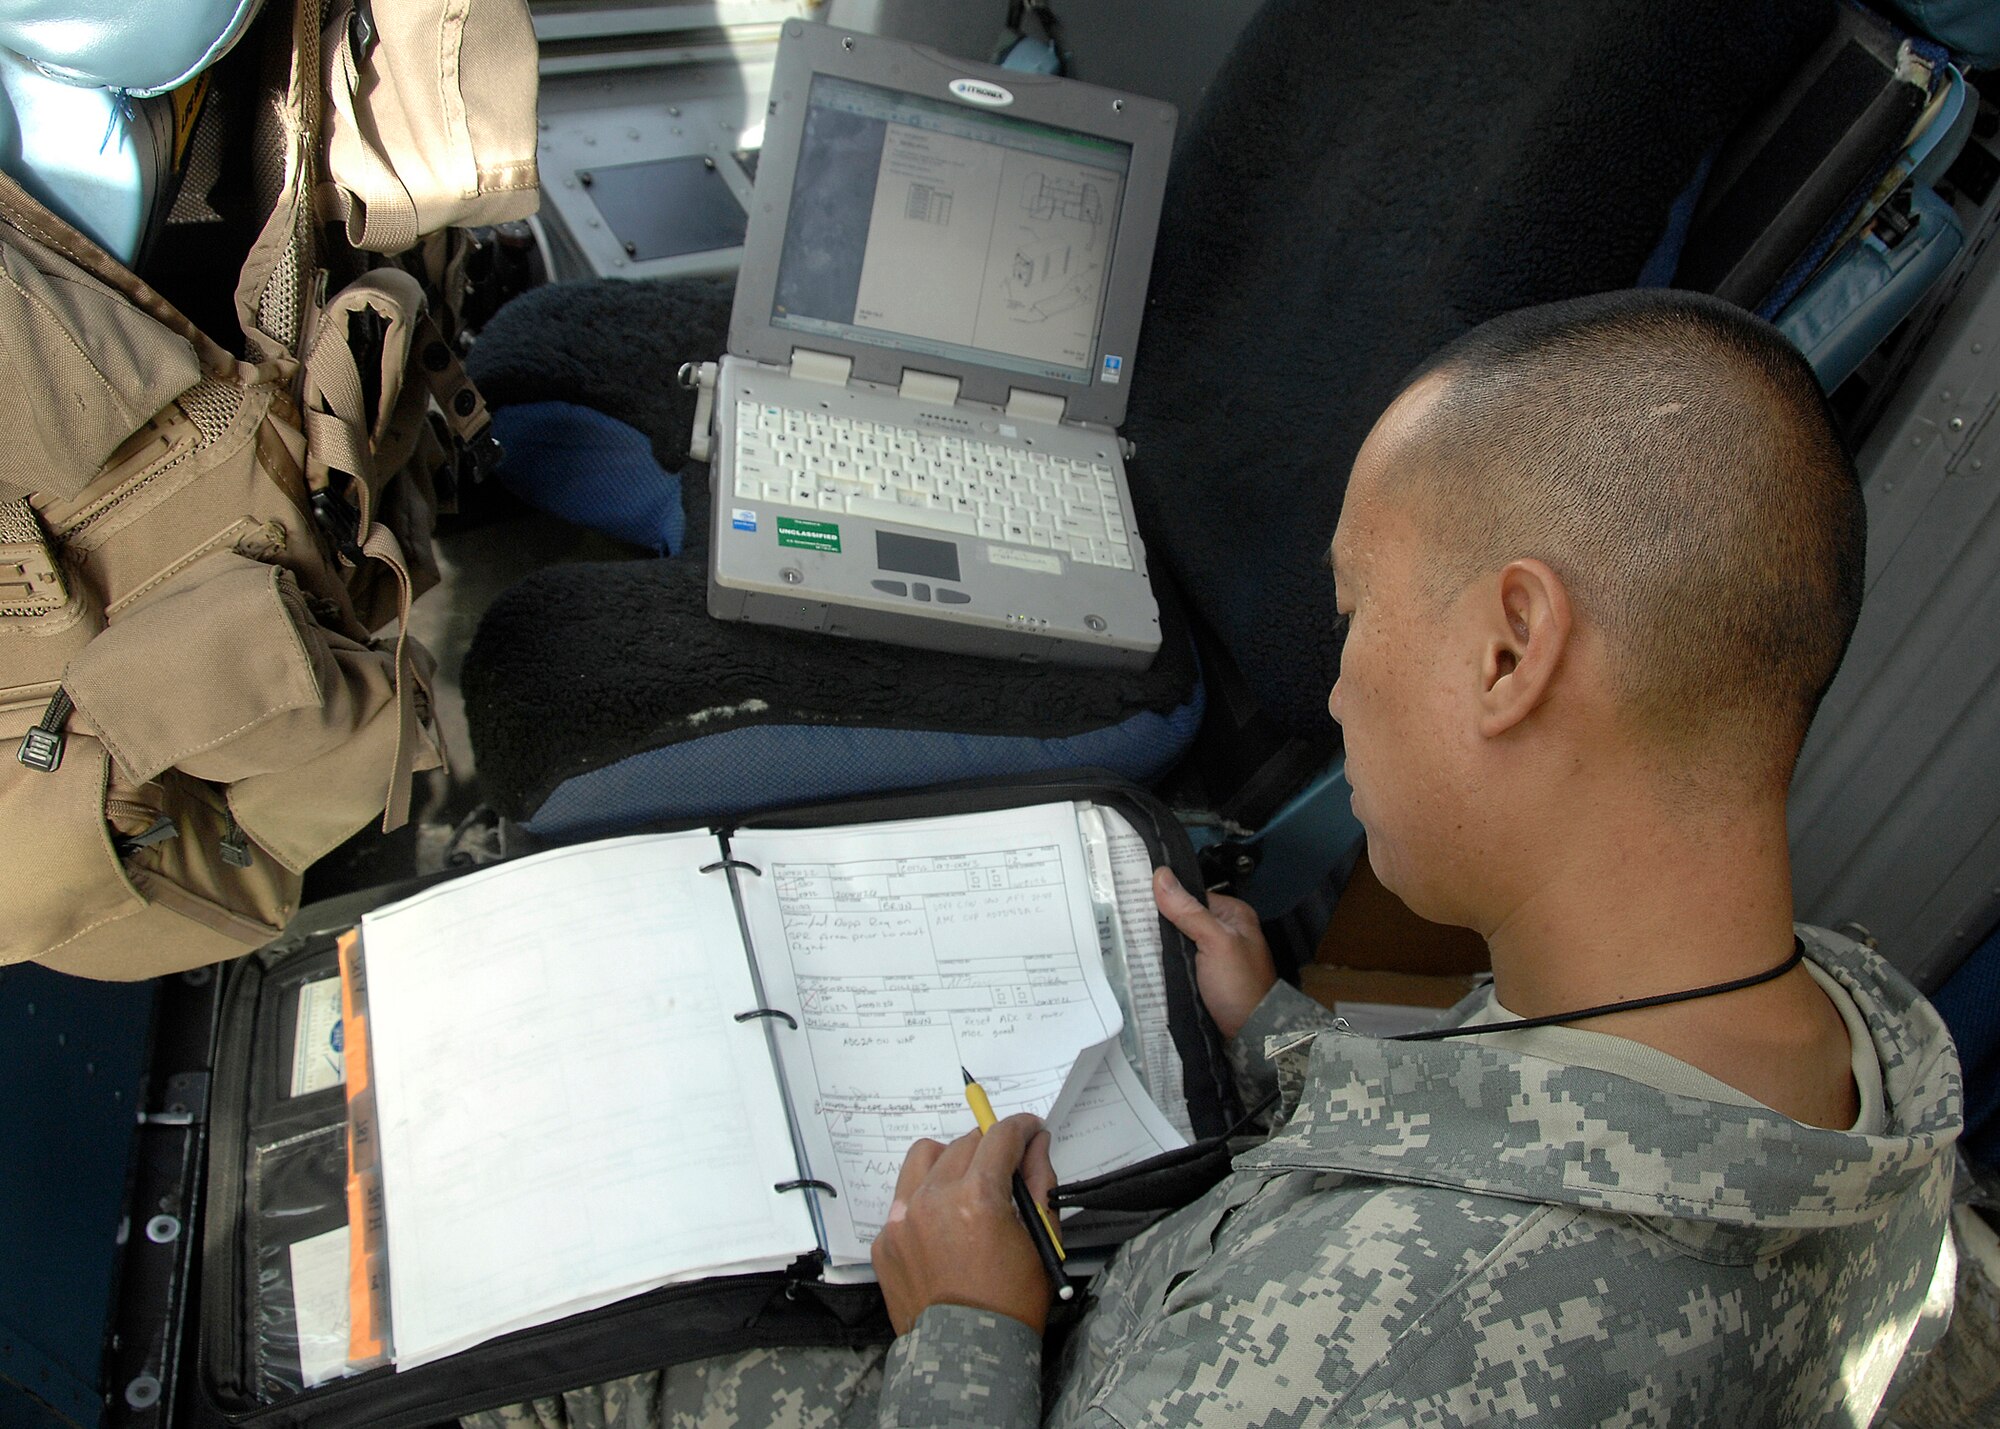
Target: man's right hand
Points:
x,y
1232,963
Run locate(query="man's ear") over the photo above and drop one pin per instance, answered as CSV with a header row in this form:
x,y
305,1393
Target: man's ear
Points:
x,y
1527,635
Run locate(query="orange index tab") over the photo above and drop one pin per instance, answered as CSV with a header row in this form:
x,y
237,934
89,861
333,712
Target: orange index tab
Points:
x,y
368,1341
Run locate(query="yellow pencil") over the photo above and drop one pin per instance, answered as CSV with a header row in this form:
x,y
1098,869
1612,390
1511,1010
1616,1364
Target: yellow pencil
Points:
x,y
1041,1225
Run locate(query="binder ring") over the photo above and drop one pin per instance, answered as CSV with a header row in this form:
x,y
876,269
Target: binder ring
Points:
x,y
803,1184
732,863
789,1020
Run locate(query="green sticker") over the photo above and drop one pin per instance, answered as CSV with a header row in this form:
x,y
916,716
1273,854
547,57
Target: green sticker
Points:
x,y
809,535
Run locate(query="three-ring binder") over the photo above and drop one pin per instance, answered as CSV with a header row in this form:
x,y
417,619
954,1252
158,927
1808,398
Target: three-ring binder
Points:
x,y
789,1020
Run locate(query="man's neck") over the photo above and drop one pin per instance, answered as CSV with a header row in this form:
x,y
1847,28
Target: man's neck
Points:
x,y
1639,904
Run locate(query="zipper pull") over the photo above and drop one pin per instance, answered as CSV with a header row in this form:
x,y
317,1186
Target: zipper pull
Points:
x,y
235,845
158,832
42,747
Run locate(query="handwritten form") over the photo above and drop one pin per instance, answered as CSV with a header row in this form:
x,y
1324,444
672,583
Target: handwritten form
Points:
x,y
909,950
568,1112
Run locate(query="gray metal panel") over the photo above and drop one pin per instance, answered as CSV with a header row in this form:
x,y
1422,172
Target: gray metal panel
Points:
x,y
1895,813
620,116
1146,124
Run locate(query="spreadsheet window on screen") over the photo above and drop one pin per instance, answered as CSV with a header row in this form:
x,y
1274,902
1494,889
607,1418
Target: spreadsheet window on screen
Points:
x,y
926,227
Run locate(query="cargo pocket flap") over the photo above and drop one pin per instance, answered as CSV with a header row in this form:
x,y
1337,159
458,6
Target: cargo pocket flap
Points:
x,y
300,814
87,370
62,878
188,677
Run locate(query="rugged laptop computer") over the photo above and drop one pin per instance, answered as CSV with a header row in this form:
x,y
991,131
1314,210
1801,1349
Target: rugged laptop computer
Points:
x,y
929,354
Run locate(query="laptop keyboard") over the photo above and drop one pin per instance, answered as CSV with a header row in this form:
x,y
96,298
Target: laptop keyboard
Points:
x,y
1016,495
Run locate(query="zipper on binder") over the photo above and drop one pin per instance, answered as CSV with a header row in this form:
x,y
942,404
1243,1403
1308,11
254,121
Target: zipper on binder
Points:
x,y
42,747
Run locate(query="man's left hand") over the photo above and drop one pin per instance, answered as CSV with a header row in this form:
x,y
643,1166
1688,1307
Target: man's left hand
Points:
x,y
952,1236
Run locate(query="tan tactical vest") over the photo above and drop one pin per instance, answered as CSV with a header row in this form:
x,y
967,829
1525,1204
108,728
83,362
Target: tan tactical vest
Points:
x,y
197,550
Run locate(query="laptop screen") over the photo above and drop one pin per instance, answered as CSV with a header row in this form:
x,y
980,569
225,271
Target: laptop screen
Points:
x,y
932,228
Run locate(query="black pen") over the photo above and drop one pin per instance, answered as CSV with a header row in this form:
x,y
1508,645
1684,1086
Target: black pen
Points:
x,y
1041,1225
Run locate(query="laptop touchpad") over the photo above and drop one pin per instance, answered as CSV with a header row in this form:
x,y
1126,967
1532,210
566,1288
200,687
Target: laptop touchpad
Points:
x,y
915,556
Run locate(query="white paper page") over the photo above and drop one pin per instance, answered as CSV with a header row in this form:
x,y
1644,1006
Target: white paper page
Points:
x,y
568,1111
319,1304
1113,1123
910,950
1139,923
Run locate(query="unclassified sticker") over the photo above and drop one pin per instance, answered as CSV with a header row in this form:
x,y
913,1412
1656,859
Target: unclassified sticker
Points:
x,y
1044,561
809,535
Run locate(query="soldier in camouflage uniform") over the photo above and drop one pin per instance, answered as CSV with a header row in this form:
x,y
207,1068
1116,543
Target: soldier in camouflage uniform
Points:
x,y
1602,558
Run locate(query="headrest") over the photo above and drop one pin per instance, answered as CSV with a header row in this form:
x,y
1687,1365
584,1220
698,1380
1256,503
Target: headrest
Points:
x,y
95,159
145,49
1970,29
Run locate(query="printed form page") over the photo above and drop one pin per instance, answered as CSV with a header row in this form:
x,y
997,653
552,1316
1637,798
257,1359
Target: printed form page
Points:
x,y
907,951
569,1112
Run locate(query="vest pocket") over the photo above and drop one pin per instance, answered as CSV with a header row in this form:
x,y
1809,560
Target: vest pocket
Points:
x,y
300,814
63,877
226,678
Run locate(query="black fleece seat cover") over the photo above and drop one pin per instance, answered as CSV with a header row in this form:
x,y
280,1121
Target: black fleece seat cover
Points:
x,y
622,658
1361,184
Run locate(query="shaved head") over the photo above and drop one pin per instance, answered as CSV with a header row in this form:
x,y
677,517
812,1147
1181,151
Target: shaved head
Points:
x,y
1673,460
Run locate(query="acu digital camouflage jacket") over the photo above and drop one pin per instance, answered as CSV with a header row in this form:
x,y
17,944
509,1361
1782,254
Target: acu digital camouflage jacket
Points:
x,y
1446,1234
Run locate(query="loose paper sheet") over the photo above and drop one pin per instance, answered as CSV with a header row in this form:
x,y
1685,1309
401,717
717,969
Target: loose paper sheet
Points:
x,y
319,1303
1137,927
1113,1123
568,1112
909,950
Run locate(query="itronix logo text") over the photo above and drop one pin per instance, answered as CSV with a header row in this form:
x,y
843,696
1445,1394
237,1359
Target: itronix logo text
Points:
x,y
978,91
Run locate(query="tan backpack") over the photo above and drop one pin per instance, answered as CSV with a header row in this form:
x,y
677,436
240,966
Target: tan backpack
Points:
x,y
196,550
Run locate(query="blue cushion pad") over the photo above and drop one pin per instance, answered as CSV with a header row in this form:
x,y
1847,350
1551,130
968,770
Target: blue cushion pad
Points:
x,y
611,345
756,767
590,469
598,667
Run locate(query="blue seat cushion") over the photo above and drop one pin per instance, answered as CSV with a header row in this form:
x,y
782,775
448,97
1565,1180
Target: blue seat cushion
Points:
x,y
591,470
1969,1003
1969,28
602,696
610,345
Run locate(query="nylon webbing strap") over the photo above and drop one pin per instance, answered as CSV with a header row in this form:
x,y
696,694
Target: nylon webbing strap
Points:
x,y
373,203
450,386
381,545
340,435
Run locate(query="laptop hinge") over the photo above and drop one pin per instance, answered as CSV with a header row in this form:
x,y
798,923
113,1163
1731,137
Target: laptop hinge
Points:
x,y
1026,406
821,366
932,387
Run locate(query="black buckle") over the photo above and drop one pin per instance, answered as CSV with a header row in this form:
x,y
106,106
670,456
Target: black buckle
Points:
x,y
41,749
341,523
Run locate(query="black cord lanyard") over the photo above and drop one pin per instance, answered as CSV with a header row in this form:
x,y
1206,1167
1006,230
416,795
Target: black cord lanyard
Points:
x,y
1633,1005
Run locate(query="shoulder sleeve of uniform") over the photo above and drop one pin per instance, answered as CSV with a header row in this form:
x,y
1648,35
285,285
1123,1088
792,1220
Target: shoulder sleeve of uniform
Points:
x,y
960,1368
1286,1015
